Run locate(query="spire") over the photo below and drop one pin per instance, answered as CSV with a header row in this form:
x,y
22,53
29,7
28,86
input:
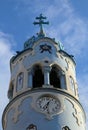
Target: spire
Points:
x,y
40,23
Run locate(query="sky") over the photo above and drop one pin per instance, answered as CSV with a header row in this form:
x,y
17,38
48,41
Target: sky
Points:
x,y
68,24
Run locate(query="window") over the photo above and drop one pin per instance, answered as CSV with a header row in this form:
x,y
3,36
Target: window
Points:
x,y
72,85
38,77
54,77
19,82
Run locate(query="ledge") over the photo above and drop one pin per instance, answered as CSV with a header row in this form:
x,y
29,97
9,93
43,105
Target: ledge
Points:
x,y
28,92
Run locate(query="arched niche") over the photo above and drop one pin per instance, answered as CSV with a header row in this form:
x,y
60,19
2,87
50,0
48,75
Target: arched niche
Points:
x,y
19,82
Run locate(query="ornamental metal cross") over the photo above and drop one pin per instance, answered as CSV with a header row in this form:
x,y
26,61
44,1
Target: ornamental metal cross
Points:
x,y
41,22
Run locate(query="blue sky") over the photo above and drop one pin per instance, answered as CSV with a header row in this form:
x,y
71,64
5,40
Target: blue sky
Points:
x,y
68,24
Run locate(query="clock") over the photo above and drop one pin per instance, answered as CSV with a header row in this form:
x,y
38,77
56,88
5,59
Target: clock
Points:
x,y
48,104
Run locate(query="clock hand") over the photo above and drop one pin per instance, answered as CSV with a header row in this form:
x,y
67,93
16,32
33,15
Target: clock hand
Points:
x,y
46,105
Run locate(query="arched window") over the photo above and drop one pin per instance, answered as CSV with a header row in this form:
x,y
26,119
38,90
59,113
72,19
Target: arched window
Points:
x,y
19,82
72,85
38,77
54,77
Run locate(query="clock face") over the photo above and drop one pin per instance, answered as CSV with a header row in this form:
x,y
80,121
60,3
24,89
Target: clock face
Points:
x,y
48,104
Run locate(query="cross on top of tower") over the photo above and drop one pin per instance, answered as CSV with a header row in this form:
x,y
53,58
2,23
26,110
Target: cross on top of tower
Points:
x,y
40,23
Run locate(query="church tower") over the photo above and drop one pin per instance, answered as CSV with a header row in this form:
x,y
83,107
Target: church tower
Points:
x,y
43,91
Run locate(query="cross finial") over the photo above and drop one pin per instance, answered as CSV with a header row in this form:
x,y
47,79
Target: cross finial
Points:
x,y
40,23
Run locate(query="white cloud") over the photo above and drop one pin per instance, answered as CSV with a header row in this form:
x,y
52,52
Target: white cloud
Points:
x,y
5,54
67,26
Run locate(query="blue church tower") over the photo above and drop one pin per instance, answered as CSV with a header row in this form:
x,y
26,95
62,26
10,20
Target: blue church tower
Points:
x,y
43,91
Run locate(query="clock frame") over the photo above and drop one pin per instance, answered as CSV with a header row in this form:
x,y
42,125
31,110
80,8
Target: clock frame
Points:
x,y
48,104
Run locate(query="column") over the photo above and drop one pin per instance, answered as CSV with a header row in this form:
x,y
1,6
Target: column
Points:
x,y
62,80
30,79
46,75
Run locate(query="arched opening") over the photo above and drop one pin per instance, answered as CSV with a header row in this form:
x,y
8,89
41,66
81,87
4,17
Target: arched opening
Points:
x,y
38,77
54,77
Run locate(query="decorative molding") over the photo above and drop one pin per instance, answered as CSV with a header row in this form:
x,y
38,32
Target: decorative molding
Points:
x,y
5,118
16,106
17,111
78,115
5,122
67,62
45,47
46,40
15,70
